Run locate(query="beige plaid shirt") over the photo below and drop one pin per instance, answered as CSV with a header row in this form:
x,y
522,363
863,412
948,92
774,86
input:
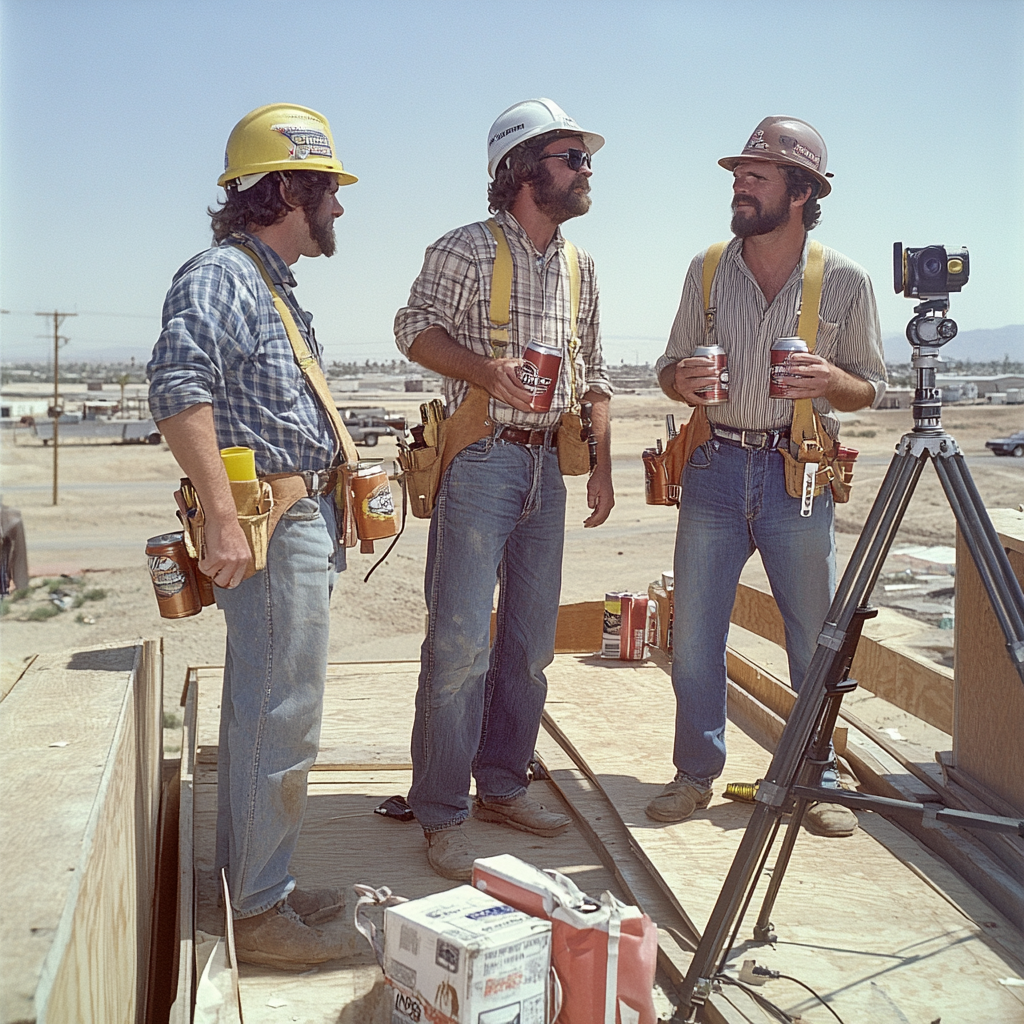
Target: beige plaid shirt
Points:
x,y
453,291
746,327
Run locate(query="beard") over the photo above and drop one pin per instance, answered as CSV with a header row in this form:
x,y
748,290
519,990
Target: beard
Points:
x,y
321,230
561,204
762,221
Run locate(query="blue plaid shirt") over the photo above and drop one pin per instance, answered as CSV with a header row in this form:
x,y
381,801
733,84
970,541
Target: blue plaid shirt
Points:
x,y
223,344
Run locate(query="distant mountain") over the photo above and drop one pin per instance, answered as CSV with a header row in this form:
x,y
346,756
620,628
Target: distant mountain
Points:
x,y
979,345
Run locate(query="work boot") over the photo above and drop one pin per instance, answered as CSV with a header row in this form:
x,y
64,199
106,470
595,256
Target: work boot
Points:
x,y
522,813
315,906
831,820
677,801
280,938
451,854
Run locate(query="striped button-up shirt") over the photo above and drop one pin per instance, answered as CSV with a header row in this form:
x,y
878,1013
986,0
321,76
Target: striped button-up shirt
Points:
x,y
746,326
453,291
223,344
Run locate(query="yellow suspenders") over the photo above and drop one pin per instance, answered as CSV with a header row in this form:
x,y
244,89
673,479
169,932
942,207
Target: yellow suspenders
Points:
x,y
804,428
500,313
307,363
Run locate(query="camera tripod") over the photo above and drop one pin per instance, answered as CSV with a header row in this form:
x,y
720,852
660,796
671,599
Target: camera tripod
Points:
x,y
790,784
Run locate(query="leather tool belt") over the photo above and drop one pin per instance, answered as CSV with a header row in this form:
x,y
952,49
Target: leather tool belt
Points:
x,y
546,437
755,439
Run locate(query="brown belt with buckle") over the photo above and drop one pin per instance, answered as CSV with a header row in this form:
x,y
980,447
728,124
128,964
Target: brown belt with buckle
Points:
x,y
544,438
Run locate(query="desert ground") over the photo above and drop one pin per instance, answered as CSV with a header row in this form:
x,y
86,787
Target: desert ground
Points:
x,y
113,497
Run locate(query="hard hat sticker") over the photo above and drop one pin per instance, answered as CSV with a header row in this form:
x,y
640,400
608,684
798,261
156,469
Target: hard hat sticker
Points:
x,y
756,141
305,142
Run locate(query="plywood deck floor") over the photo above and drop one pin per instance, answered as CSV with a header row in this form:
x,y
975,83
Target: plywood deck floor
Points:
x,y
874,923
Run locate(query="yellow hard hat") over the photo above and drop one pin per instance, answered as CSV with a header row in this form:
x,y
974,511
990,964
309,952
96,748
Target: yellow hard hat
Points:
x,y
280,137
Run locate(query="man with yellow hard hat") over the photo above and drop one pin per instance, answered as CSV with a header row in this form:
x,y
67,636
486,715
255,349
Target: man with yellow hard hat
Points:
x,y
237,364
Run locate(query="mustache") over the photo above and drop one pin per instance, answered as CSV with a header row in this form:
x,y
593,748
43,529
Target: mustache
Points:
x,y
742,197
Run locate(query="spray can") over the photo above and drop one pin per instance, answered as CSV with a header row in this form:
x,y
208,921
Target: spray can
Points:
x,y
717,393
373,503
539,374
174,576
782,366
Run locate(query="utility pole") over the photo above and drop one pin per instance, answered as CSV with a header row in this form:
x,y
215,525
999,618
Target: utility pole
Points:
x,y
55,409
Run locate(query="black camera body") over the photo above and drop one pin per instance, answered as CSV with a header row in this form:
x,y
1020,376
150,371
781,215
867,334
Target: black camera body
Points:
x,y
928,272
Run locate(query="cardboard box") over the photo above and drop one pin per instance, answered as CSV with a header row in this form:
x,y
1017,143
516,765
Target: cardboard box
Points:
x,y
463,957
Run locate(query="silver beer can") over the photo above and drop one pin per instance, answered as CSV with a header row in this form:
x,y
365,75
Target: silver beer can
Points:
x,y
717,393
782,367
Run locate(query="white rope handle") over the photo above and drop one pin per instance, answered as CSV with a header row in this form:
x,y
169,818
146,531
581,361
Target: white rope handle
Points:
x,y
370,897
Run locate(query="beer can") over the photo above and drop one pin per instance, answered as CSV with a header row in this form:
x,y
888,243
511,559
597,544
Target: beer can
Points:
x,y
174,576
782,367
539,374
373,502
627,625
717,393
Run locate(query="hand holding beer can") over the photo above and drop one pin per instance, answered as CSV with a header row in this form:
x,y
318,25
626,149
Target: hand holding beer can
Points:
x,y
539,374
718,392
782,365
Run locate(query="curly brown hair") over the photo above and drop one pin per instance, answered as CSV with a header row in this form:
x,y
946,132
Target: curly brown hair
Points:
x,y
797,182
519,167
263,204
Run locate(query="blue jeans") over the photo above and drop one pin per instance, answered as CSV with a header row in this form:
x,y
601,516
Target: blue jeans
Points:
x,y
500,516
274,669
734,500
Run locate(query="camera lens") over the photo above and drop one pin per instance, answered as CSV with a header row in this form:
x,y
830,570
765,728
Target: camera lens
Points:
x,y
931,266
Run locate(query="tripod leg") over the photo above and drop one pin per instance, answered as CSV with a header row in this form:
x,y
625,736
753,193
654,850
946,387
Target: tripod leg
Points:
x,y
1004,592
861,573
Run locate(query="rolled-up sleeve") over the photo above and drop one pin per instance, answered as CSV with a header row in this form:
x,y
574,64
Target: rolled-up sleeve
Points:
x,y
442,294
187,366
860,341
688,326
589,330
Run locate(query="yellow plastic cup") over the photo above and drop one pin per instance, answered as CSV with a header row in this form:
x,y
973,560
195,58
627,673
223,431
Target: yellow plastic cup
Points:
x,y
240,463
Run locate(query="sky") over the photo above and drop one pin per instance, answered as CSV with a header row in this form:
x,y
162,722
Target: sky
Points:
x,y
114,117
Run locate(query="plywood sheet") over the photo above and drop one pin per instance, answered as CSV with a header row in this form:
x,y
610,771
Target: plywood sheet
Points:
x,y
368,711
854,922
79,792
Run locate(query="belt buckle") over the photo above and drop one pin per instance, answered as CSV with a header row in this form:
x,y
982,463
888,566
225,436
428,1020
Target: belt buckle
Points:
x,y
314,482
743,439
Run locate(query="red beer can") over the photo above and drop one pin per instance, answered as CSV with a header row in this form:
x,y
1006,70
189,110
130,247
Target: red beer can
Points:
x,y
539,374
717,393
782,365
174,576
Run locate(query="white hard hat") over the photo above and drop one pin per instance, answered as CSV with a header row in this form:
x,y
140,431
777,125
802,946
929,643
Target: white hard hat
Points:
x,y
526,120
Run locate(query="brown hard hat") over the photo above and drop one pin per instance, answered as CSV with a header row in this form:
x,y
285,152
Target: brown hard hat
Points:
x,y
786,140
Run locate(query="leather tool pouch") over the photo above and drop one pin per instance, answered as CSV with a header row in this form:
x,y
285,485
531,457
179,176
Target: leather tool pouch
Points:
x,y
256,505
832,472
573,450
672,461
423,468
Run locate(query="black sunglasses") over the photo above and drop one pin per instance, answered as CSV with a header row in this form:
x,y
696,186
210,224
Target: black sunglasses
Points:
x,y
575,158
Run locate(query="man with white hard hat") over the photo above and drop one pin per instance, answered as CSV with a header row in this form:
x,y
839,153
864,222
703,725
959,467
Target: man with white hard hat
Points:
x,y
761,476
237,365
486,291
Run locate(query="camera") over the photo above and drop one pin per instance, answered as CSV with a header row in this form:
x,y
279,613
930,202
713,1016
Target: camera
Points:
x,y
928,272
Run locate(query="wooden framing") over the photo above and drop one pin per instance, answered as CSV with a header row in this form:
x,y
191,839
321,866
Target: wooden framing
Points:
x,y
80,764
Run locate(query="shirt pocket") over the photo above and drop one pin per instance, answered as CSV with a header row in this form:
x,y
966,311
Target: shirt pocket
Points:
x,y
827,342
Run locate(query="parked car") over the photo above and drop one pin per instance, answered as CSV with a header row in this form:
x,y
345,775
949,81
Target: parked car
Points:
x,y
368,424
1012,445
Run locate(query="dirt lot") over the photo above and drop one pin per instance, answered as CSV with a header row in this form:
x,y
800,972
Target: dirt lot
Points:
x,y
113,497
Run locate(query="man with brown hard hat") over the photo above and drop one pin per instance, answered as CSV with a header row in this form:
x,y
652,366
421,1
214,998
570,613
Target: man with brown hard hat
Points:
x,y
734,496
237,364
500,512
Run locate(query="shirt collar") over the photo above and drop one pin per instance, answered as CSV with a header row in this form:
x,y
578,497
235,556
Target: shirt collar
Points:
x,y
279,271
513,227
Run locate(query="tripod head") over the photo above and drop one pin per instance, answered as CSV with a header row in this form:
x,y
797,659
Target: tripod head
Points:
x,y
928,330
